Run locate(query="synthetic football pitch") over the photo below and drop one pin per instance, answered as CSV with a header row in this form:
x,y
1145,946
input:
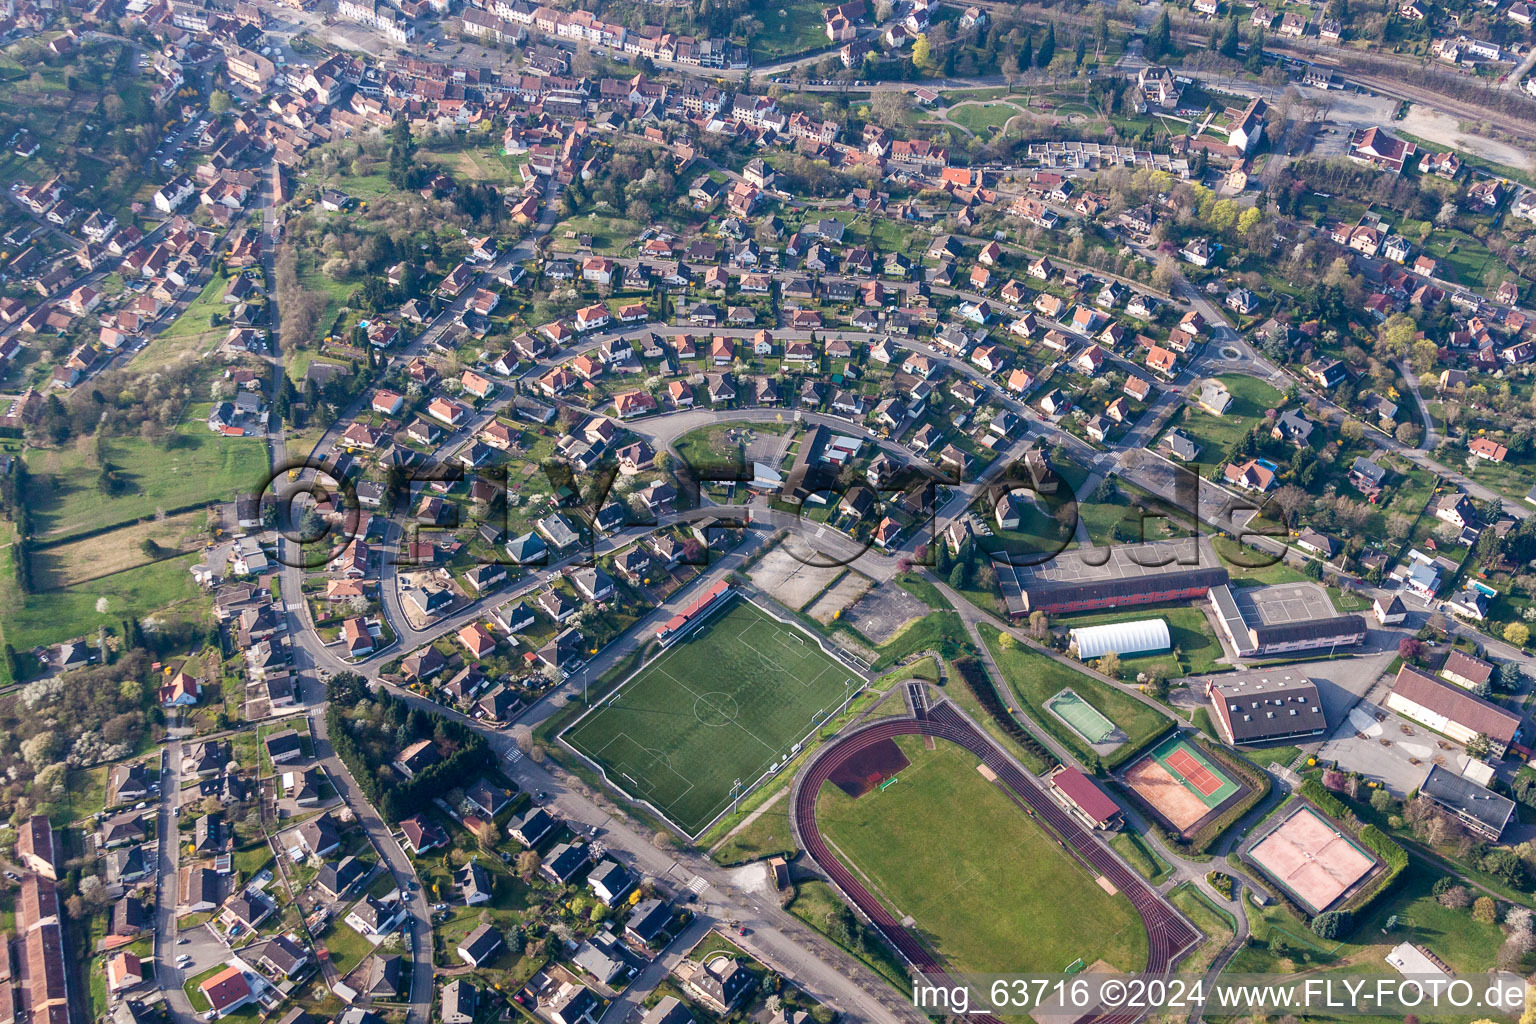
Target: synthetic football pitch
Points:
x,y
1083,717
725,703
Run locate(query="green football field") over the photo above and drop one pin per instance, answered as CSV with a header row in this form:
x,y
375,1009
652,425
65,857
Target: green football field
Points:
x,y
725,702
988,889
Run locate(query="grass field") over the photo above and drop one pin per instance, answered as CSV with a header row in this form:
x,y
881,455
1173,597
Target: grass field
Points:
x,y
58,615
198,467
981,118
1034,678
191,334
794,27
1216,922
988,888
1214,434
78,561
724,703
1141,855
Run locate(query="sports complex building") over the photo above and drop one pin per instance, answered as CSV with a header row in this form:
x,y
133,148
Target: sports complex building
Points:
x,y
1094,579
1479,809
1283,619
1142,636
1255,707
1083,798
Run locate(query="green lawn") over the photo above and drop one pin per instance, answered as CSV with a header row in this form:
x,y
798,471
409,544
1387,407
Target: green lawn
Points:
x,y
791,28
1238,558
981,118
1034,678
989,889
1216,922
724,703
1139,854
1250,397
768,834
198,467
74,611
191,334
1282,944
346,947
818,905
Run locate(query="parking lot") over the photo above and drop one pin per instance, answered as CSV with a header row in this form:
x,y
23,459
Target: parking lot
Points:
x,y
1389,749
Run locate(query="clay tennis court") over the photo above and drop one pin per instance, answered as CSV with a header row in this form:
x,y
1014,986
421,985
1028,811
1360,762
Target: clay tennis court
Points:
x,y
1180,784
1172,799
1311,859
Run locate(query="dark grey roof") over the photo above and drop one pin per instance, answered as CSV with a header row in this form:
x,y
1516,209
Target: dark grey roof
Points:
x,y
1261,705
1308,629
1467,798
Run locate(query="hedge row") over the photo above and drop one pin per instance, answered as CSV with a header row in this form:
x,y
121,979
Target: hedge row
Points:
x,y
1326,802
980,684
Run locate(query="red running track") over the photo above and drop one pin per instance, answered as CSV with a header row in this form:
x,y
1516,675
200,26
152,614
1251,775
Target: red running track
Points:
x,y
1168,934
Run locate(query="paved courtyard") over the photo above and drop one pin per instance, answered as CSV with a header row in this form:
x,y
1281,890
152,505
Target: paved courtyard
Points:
x,y
1388,748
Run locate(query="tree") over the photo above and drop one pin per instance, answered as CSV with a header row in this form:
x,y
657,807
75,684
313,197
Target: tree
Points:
x,y
1408,434
1517,633
1331,924
1039,625
1110,665
1456,897
922,55
1479,746
527,864
1381,801
1255,60
1485,911
219,101
487,836
1229,41
1410,650
1159,36
959,575
1047,51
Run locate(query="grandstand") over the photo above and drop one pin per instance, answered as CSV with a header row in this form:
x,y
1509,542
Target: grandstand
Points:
x,y
694,613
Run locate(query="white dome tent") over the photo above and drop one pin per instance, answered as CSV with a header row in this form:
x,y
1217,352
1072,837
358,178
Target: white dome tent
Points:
x,y
1123,638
